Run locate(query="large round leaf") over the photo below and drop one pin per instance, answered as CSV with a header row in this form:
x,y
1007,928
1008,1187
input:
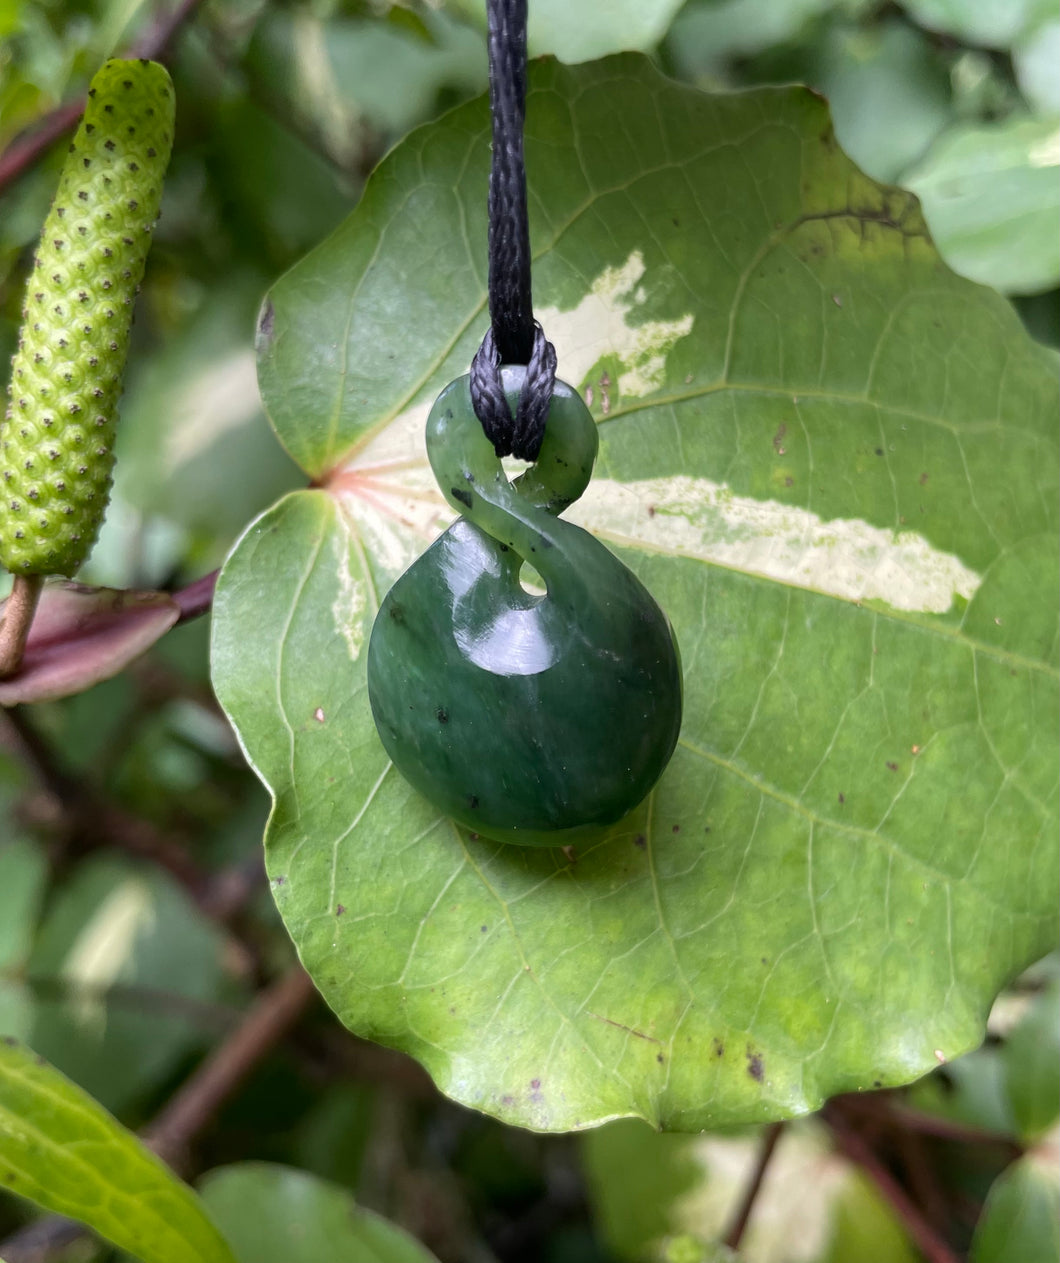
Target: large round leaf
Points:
x,y
834,463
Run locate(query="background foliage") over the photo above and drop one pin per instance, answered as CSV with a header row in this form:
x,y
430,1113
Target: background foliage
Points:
x,y
120,960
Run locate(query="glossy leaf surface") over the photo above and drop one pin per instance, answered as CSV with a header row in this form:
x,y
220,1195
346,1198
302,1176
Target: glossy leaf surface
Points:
x,y
66,1153
834,465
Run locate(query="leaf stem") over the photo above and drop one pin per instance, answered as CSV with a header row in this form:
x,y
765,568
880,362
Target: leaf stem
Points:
x,y
921,1232
739,1225
275,1012
195,599
16,620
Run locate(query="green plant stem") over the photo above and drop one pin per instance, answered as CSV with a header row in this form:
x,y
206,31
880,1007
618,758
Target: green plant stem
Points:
x,y
17,619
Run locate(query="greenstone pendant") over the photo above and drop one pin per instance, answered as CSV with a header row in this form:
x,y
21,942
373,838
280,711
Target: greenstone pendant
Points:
x,y
530,719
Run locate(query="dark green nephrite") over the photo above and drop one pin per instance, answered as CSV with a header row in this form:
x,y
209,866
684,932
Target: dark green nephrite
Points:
x,y
529,719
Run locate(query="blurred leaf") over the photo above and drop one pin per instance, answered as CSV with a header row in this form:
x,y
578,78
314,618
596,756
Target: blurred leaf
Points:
x,y
81,636
343,74
586,29
888,91
635,1175
115,17
10,16
888,87
656,1197
275,1214
1020,1222
1031,1055
60,1149
333,1137
706,33
23,873
1041,315
1036,59
116,924
865,1227
991,23
193,445
991,198
809,428
812,1207
272,184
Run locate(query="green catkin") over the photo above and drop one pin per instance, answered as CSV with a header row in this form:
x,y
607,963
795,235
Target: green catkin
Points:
x,y
57,437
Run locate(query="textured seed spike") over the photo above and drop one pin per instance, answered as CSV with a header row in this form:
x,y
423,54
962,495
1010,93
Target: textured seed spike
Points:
x,y
53,486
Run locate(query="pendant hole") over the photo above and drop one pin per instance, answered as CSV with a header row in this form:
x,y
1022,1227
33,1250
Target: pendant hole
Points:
x,y
530,581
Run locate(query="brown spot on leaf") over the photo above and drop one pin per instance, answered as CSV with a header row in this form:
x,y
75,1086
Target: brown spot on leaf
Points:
x,y
754,1065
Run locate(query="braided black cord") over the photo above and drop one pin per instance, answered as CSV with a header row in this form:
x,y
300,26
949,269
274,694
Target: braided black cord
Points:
x,y
514,337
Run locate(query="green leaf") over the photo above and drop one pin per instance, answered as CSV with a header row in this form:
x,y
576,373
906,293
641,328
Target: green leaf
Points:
x,y
1035,60
1031,1056
707,32
983,22
118,939
591,28
992,200
651,1193
341,72
275,1214
23,873
1020,1222
191,444
889,93
635,1176
62,1150
833,462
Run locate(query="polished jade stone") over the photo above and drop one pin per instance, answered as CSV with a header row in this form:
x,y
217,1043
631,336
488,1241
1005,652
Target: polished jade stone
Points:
x,y
530,719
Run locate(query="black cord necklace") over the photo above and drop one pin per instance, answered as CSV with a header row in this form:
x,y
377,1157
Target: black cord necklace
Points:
x,y
534,720
514,336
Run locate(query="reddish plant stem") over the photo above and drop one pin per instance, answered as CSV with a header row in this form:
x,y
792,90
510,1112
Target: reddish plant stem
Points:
x,y
155,41
912,1150
95,822
275,1012
947,1129
195,600
26,148
923,1235
743,1214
